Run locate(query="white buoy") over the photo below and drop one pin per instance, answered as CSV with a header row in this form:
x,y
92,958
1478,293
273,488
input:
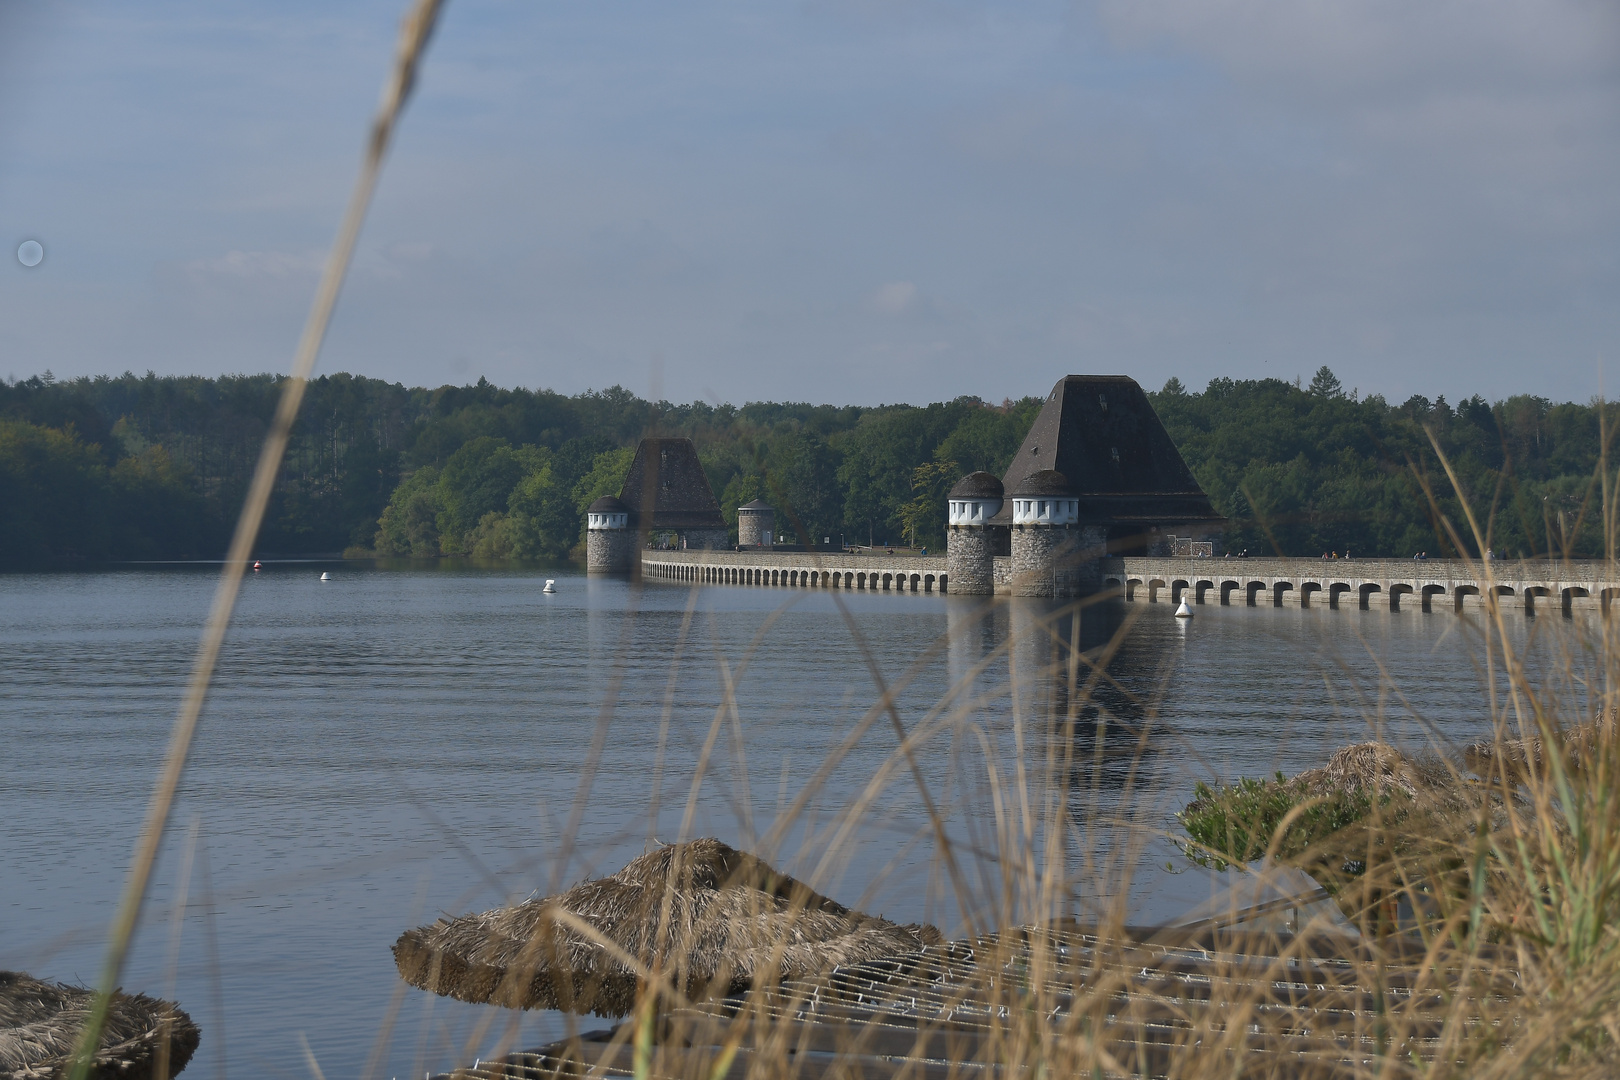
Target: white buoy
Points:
x,y
551,585
326,577
1184,612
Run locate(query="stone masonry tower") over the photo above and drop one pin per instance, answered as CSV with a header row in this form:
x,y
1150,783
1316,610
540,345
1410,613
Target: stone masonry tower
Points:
x,y
756,524
969,553
1045,534
1122,478
610,543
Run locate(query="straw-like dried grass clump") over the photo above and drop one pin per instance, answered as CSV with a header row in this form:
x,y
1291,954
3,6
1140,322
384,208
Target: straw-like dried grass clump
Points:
x,y
716,919
40,1022
1378,771
1518,758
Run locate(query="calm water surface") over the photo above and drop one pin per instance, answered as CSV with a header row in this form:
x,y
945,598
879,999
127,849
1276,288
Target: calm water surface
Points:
x,y
392,745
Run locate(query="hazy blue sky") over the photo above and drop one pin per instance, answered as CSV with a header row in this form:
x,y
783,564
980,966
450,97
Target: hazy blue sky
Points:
x,y
828,200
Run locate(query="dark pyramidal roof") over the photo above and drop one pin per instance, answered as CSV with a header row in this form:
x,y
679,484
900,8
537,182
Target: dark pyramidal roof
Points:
x,y
667,489
1100,432
977,485
607,504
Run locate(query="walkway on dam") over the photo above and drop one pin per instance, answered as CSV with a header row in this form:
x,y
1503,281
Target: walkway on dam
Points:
x,y
798,569
1362,583
1366,583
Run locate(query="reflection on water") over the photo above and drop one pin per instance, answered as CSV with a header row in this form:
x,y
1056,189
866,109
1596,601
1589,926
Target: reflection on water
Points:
x,y
395,744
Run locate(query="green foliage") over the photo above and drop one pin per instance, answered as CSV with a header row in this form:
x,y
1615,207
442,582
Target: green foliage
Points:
x,y
148,467
740,490
924,516
62,503
410,523
478,480
605,477
802,478
1301,472
1237,824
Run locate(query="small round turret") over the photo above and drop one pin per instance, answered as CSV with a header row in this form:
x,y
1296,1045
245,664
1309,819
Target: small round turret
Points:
x,y
1045,513
607,513
1045,498
610,543
975,499
969,553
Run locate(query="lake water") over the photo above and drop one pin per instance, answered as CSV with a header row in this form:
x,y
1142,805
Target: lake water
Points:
x,y
396,744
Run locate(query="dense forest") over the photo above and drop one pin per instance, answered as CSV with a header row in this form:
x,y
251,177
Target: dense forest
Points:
x,y
134,468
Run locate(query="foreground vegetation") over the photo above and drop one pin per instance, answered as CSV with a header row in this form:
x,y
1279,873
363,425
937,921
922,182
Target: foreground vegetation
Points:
x,y
147,467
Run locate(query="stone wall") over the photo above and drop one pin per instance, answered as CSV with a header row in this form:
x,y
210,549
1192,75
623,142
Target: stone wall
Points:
x,y
707,538
755,529
1037,551
610,551
968,559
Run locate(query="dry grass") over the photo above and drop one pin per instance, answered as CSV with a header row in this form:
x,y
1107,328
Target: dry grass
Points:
x,y
722,920
40,1022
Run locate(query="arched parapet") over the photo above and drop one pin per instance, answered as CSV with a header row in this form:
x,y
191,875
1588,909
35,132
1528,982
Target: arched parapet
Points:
x,y
1336,590
1202,589
860,581
1430,591
1396,591
928,583
1277,591
1254,589
1308,589
1227,589
916,582
1153,587
1461,593
1569,596
888,582
1365,591
1131,585
1531,593
1177,587
944,582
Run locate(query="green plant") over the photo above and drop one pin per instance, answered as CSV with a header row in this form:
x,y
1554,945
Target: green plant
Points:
x,y
1241,823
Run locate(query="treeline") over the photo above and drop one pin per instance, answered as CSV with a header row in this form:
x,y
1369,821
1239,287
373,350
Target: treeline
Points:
x,y
1306,470
143,467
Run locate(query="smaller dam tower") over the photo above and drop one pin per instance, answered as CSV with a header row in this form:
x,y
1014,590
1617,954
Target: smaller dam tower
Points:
x,y
969,550
1045,535
756,525
610,542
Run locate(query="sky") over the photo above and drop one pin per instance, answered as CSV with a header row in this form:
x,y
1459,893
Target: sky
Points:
x,y
826,200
